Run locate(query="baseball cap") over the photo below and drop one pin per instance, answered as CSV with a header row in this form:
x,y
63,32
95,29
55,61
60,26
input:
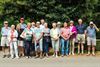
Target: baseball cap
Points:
x,y
91,22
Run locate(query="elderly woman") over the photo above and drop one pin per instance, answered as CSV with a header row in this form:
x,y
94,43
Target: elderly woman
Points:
x,y
55,34
20,40
65,34
73,33
27,35
46,39
12,35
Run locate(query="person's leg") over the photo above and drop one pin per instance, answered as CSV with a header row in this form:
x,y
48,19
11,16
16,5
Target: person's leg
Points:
x,y
57,47
89,45
93,46
27,49
73,46
22,47
93,50
53,46
82,43
62,47
67,47
79,48
36,50
3,46
46,48
79,39
82,48
70,47
89,49
11,49
8,48
41,47
16,49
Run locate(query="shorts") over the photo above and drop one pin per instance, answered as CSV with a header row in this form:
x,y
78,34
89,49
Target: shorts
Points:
x,y
4,41
21,43
91,41
81,38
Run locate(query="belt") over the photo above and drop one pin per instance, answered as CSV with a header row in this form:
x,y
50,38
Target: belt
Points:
x,y
4,35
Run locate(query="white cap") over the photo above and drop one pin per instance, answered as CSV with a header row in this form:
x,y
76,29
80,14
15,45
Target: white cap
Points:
x,y
38,22
58,22
5,21
91,22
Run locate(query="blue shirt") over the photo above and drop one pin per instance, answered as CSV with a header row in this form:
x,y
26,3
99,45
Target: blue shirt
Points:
x,y
91,32
81,28
38,32
4,31
23,26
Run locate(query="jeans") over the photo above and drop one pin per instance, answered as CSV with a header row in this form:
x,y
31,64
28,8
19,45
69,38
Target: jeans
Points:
x,y
28,47
45,45
64,46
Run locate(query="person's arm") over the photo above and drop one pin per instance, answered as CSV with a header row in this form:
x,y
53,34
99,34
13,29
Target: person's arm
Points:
x,y
97,29
61,34
74,30
23,34
2,31
41,36
16,34
51,33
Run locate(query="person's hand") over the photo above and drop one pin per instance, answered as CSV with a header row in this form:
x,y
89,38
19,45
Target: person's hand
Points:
x,y
71,33
56,38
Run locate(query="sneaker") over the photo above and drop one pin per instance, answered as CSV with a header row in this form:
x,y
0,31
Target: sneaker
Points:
x,y
27,57
12,57
36,56
17,57
88,54
4,56
53,55
62,55
93,54
41,57
47,55
56,56
73,54
69,53
8,56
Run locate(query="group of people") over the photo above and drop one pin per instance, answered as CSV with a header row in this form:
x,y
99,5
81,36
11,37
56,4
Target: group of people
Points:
x,y
23,39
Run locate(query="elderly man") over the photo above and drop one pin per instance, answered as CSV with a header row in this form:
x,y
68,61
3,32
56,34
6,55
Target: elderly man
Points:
x,y
4,39
38,40
91,37
81,27
23,25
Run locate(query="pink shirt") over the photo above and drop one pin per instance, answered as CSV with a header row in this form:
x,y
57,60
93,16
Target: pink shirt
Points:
x,y
73,29
65,32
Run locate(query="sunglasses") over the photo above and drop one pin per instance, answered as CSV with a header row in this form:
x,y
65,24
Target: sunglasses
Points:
x,y
6,23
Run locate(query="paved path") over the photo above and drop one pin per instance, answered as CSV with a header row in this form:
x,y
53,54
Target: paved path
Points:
x,y
71,61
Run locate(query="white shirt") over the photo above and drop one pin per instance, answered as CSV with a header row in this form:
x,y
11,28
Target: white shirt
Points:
x,y
15,35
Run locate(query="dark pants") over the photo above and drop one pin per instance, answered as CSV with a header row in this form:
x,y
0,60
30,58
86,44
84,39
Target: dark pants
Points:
x,y
46,44
27,47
